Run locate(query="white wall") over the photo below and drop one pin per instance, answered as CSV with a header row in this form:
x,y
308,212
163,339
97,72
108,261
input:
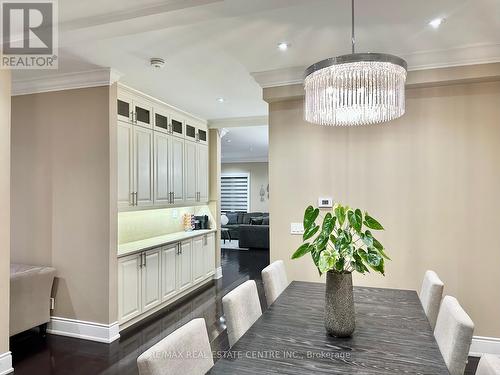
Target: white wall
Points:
x,y
259,176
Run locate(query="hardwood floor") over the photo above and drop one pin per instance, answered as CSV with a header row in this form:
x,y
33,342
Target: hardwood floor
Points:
x,y
58,355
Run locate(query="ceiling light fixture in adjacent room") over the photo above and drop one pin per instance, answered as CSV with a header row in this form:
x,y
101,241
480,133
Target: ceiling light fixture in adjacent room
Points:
x,y
435,23
283,46
220,100
355,89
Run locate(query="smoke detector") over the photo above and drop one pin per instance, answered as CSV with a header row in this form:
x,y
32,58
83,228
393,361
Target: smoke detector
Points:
x,y
157,62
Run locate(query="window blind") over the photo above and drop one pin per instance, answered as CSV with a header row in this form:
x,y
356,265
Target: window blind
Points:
x,y
234,192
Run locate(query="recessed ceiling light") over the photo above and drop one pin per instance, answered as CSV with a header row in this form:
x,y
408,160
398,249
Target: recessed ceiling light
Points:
x,y
283,46
228,141
435,23
220,100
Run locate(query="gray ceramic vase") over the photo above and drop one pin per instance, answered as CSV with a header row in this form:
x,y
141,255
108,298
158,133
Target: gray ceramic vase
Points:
x,y
339,305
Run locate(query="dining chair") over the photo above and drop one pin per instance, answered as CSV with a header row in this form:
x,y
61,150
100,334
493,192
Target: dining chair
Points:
x,y
453,334
275,280
241,308
430,296
488,365
185,351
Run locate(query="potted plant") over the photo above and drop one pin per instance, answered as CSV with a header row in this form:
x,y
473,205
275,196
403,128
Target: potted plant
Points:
x,y
342,244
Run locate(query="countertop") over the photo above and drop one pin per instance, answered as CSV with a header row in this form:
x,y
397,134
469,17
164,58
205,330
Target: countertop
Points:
x,y
149,243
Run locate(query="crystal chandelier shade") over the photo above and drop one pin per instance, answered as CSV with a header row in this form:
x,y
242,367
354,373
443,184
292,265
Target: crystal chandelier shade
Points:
x,y
355,89
356,93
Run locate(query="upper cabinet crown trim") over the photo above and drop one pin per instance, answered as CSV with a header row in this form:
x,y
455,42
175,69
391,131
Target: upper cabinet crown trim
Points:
x,y
130,90
65,81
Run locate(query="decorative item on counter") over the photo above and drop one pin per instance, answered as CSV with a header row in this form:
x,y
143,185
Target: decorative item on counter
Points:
x,y
188,222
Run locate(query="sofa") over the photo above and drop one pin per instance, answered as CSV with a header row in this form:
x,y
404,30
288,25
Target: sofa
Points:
x,y
30,292
250,228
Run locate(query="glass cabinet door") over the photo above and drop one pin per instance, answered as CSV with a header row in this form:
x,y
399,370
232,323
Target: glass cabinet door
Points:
x,y
190,132
124,109
177,128
202,136
161,122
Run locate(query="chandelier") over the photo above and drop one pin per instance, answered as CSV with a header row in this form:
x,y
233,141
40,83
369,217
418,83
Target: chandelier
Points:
x,y
355,89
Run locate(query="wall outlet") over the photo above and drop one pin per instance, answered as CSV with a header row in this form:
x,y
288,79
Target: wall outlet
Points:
x,y
325,202
297,228
175,214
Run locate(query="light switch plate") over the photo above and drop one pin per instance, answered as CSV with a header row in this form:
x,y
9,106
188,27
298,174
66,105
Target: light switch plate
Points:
x,y
297,228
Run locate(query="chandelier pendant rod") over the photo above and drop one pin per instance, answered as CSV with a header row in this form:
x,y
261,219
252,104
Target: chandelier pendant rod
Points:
x,y
353,39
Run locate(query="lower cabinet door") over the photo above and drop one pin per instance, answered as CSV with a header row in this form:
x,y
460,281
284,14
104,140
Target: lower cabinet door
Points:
x,y
169,271
198,259
209,252
184,269
129,287
151,279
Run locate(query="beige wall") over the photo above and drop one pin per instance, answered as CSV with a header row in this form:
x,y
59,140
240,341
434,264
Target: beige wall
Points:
x,y
258,177
214,186
61,210
431,177
5,85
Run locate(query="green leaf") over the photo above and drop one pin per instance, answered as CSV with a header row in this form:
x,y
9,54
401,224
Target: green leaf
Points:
x,y
367,238
309,232
373,258
381,267
328,225
380,248
339,264
340,214
355,219
371,223
320,242
326,261
358,263
302,250
310,215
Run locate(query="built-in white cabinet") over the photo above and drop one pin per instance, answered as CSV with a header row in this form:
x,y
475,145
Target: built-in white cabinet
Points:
x,y
156,277
162,156
125,167
129,291
198,259
143,166
184,265
202,172
209,254
169,276
151,279
190,162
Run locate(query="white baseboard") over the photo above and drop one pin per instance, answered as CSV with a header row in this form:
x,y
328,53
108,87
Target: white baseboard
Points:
x,y
484,345
218,273
80,329
6,363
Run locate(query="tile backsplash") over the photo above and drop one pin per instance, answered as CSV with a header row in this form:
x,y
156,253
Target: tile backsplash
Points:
x,y
139,225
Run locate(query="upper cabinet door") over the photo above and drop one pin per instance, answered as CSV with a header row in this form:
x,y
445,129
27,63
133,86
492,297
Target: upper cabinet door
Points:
x,y
202,173
177,169
190,132
177,126
161,123
143,166
125,108
125,163
162,192
190,162
143,113
202,136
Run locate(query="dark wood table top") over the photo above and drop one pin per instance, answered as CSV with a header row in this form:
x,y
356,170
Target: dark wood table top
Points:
x,y
392,336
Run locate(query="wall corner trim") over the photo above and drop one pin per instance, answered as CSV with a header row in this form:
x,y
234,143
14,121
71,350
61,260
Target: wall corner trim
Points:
x,y
218,273
105,333
484,345
6,363
65,81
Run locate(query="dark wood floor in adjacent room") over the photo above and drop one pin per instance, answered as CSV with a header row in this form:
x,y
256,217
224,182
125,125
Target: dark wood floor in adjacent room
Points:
x,y
58,355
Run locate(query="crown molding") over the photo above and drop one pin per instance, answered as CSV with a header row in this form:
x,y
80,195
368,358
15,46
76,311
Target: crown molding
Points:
x,y
65,81
476,54
238,122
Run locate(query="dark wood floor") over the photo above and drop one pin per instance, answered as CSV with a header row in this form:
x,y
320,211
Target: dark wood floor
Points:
x,y
58,355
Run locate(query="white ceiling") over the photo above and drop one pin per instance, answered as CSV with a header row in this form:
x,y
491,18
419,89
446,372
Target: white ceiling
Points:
x,y
245,144
212,46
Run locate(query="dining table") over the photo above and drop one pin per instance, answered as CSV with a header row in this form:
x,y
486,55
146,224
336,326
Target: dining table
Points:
x,y
392,336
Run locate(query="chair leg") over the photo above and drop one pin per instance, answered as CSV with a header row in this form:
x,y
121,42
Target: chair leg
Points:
x,y
43,330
